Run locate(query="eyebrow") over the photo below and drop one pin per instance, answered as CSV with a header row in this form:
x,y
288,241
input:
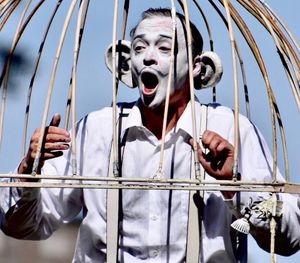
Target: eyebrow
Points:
x,y
161,36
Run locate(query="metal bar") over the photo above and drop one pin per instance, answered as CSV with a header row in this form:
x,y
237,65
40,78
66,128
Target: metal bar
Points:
x,y
51,85
242,187
36,65
236,89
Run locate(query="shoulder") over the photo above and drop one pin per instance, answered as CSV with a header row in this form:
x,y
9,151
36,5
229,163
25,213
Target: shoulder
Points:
x,y
104,113
221,119
217,112
102,118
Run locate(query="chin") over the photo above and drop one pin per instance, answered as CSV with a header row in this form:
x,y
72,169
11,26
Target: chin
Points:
x,y
151,103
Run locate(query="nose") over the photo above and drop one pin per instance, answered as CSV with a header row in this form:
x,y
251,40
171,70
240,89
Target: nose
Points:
x,y
150,57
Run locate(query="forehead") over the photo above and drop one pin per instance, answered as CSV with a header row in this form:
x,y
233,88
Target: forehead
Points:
x,y
160,25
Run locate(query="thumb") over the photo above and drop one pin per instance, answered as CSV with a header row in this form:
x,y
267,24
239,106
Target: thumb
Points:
x,y
55,120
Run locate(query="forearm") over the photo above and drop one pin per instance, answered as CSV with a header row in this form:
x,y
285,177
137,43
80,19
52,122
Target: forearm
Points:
x,y
287,235
253,208
23,218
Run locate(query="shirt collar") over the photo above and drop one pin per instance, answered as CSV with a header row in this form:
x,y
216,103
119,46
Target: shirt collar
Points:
x,y
184,123
134,118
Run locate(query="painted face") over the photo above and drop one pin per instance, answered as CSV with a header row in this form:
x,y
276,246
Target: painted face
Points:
x,y
150,58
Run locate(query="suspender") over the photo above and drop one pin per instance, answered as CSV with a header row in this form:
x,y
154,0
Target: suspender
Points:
x,y
113,201
194,251
194,238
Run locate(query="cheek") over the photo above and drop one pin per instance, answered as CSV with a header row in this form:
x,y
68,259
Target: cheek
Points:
x,y
181,65
181,72
135,67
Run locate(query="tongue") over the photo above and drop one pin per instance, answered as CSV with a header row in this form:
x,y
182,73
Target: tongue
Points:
x,y
148,89
150,82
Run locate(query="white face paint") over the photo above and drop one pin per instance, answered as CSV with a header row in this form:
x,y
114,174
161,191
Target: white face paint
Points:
x,y
150,58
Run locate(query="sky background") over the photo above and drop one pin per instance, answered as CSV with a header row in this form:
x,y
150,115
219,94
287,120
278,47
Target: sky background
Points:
x,y
94,80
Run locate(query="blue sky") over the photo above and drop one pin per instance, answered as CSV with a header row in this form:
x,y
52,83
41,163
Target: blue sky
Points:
x,y
94,80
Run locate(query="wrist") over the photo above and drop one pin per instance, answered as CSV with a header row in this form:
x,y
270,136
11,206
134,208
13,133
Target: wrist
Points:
x,y
25,167
230,194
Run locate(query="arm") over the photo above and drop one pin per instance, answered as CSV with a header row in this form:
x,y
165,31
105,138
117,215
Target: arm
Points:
x,y
32,213
255,164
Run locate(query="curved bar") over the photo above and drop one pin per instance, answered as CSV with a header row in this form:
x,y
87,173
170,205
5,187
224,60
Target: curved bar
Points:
x,y
211,42
69,100
268,8
277,111
160,172
50,88
290,65
11,6
36,65
236,91
79,30
125,17
255,50
114,92
241,62
252,11
192,90
5,73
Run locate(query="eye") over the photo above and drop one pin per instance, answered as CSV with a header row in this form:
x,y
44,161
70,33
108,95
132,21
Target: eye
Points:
x,y
138,47
165,49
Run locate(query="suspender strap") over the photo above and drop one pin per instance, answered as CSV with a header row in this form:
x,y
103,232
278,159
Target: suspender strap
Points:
x,y
194,232
113,197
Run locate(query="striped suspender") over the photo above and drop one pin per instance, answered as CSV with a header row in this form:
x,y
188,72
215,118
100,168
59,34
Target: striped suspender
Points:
x,y
194,232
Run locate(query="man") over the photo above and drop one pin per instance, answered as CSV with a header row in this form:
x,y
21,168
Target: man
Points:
x,y
153,225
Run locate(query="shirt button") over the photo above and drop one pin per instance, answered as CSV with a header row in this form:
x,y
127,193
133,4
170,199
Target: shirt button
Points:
x,y
154,253
154,217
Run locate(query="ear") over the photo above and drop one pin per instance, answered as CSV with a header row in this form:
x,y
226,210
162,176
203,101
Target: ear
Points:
x,y
123,62
207,70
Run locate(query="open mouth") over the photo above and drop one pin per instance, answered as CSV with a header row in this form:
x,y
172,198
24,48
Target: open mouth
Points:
x,y
150,82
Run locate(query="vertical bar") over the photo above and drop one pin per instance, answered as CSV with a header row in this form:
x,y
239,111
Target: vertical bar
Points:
x,y
50,88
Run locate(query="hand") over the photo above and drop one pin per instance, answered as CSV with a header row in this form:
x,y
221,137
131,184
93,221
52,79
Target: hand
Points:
x,y
55,141
218,161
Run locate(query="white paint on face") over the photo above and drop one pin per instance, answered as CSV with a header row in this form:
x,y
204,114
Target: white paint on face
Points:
x,y
151,56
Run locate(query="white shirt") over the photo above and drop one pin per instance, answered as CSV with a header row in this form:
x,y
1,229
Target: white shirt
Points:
x,y
154,224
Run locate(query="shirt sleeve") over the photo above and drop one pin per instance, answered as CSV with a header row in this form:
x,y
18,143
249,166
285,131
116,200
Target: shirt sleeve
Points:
x,y
33,213
256,164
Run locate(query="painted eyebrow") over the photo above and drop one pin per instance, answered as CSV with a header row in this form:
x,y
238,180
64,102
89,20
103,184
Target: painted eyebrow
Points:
x,y
165,36
139,36
143,35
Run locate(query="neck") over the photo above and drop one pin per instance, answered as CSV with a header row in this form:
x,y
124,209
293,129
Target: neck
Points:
x,y
153,118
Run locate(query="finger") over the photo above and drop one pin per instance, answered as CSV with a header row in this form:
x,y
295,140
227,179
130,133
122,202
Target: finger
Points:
x,y
51,155
207,137
224,146
60,137
55,120
58,131
214,144
55,147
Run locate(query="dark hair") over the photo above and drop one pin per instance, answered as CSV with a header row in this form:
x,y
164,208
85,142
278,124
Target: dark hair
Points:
x,y
197,41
